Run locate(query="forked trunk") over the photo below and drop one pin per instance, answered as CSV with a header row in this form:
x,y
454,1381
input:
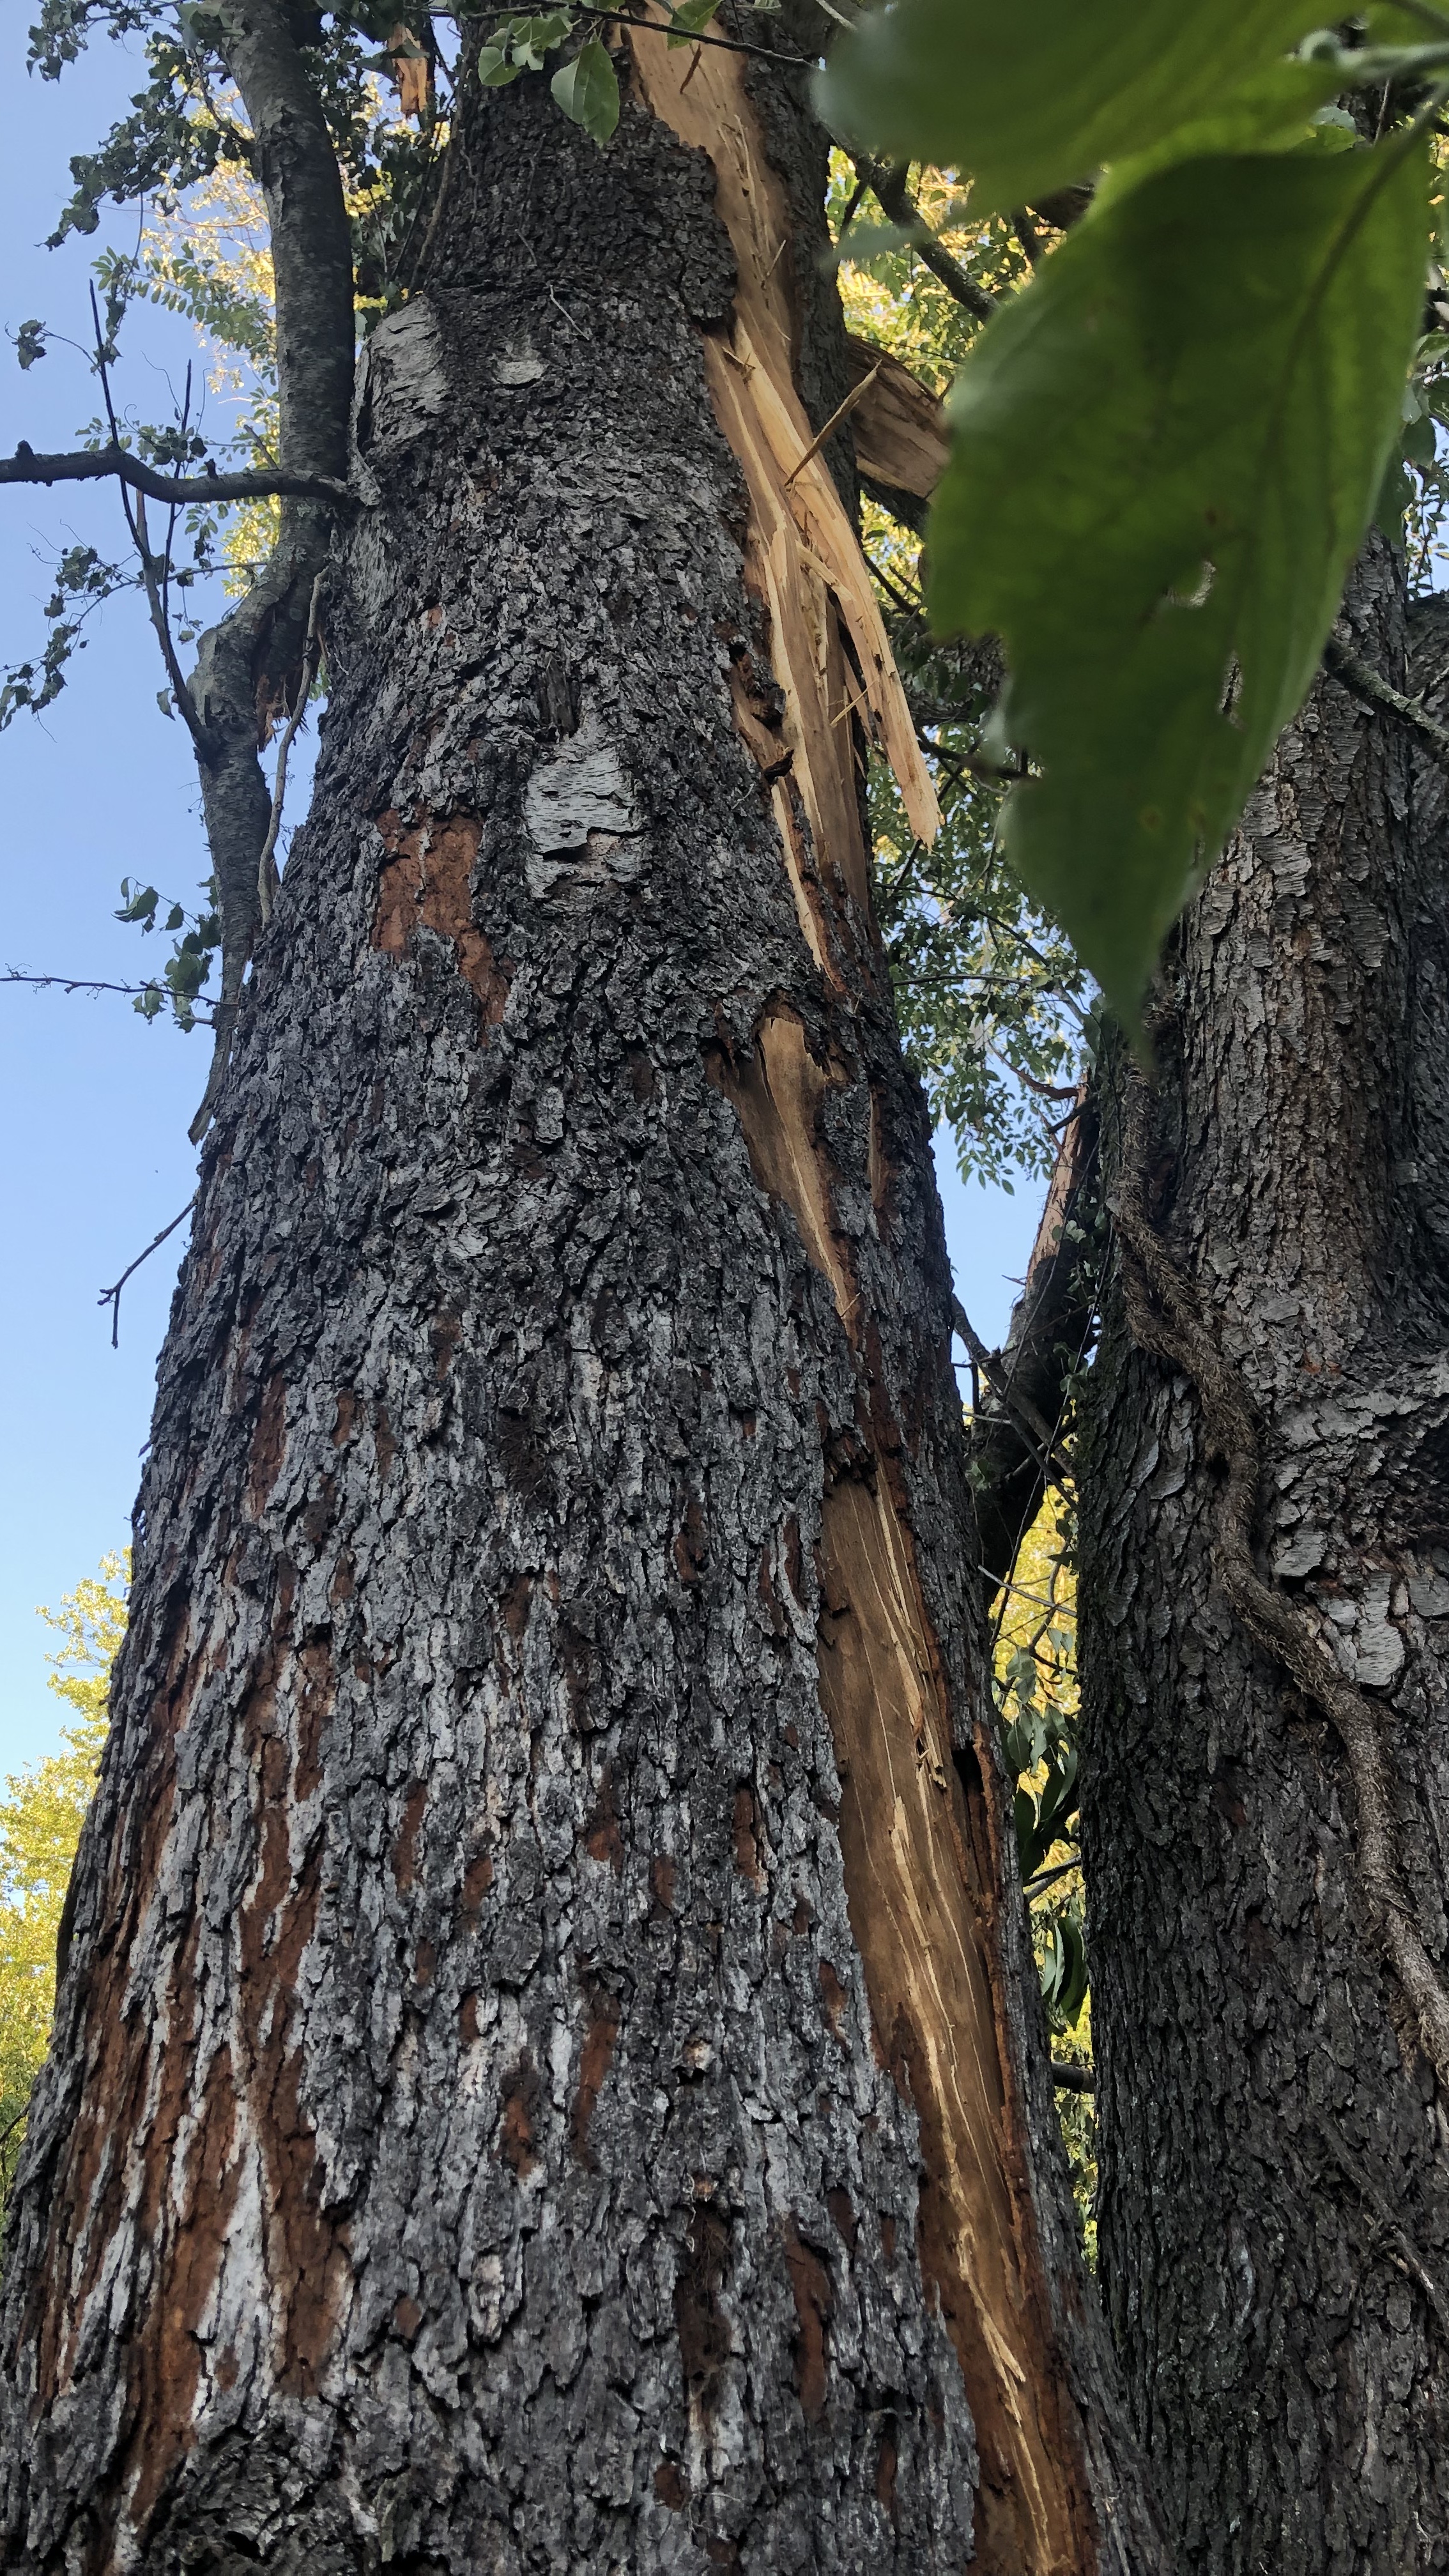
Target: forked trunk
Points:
x,y
1274,2221
545,2074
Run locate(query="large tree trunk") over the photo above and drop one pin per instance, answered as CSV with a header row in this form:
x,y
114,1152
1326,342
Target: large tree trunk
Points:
x,y
1274,2220
546,2073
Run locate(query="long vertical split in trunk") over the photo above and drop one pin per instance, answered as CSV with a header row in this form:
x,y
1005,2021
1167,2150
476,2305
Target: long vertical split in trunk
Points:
x,y
543,2075
1274,2219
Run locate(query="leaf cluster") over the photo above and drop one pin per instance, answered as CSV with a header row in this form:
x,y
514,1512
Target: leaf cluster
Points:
x,y
188,968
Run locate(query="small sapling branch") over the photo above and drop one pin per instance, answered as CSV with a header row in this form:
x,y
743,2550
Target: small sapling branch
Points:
x,y
112,1296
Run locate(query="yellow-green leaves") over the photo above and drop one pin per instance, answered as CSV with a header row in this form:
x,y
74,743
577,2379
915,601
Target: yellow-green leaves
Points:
x,y
1029,97
41,1813
1166,452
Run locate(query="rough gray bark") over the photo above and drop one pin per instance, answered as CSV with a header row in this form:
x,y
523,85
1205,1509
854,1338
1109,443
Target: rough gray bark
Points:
x,y
1274,2213
505,2113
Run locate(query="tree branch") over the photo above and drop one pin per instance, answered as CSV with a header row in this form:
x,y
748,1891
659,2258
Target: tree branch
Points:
x,y
1072,2079
248,667
155,601
1366,683
1049,1326
662,27
91,984
888,181
93,465
112,1296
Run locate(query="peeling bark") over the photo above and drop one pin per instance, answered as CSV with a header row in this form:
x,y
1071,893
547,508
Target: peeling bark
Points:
x,y
1274,2220
548,2072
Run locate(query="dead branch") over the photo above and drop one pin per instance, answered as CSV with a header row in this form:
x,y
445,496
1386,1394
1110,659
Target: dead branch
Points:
x,y
112,1296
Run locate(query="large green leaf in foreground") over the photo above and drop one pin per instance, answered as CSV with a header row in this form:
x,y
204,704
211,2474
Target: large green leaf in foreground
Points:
x,y
1027,94
1166,452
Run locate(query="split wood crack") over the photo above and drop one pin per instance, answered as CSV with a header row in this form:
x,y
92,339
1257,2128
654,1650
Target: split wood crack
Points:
x,y
1165,1318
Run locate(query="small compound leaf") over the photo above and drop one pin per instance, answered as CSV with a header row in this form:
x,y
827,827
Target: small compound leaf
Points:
x,y
587,89
1166,452
1030,97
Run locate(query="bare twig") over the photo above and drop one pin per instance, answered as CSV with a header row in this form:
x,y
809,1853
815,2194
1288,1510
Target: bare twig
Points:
x,y
112,1296
267,878
1165,1318
1029,1421
697,36
156,602
85,984
92,465
445,176
1048,1877
1365,682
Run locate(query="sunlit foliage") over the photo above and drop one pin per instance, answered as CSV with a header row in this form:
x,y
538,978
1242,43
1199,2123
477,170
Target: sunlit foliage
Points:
x,y
40,1820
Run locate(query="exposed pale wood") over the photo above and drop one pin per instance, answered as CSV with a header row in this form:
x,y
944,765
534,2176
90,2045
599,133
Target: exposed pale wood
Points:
x,y
899,425
923,1895
799,517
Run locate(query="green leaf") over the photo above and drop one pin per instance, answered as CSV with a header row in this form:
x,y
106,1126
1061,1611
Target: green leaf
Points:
x,y
587,89
687,19
861,243
529,39
495,71
1166,452
30,343
1276,110
1031,96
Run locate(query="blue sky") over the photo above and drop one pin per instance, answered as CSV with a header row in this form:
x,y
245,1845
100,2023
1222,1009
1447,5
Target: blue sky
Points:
x,y
94,1157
